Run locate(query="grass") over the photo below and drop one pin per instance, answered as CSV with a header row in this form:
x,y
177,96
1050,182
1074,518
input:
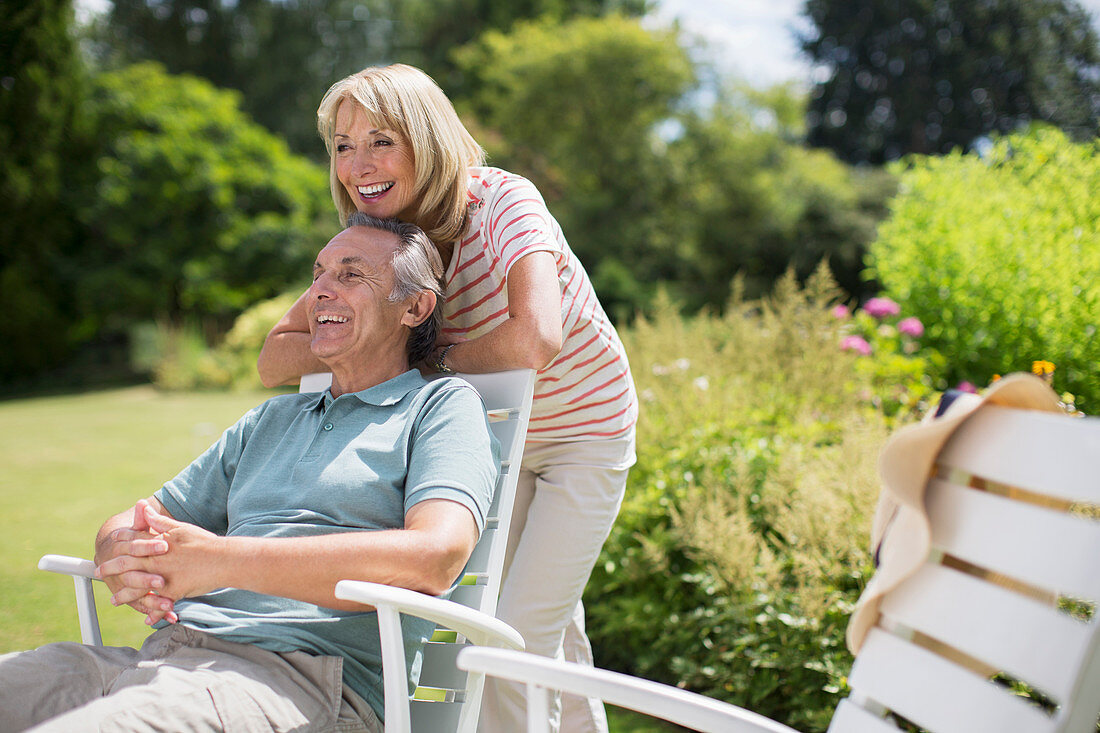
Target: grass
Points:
x,y
69,463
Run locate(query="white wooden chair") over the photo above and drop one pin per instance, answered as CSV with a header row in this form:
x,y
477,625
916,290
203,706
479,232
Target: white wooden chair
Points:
x,y
1003,539
447,698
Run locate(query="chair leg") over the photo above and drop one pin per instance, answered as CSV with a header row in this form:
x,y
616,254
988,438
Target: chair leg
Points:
x,y
85,609
538,709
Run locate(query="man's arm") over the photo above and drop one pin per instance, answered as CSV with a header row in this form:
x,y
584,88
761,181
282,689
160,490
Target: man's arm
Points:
x,y
426,555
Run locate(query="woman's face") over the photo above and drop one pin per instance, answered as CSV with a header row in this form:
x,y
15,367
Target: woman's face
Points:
x,y
375,165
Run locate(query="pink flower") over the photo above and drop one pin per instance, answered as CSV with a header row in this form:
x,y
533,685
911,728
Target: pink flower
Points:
x,y
857,344
841,312
881,307
911,326
965,386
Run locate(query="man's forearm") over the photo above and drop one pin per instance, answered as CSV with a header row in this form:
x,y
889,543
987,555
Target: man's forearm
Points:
x,y
308,568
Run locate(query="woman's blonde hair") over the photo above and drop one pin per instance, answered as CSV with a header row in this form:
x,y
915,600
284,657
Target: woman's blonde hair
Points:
x,y
405,99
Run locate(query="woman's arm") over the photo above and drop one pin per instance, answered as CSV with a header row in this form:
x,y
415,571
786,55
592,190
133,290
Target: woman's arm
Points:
x,y
285,356
532,335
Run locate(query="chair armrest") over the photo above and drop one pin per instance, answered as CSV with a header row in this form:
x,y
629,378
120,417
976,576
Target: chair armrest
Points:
x,y
83,573
480,628
66,565
645,696
390,602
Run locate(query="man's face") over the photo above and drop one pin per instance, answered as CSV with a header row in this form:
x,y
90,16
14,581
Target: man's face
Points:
x,y
350,317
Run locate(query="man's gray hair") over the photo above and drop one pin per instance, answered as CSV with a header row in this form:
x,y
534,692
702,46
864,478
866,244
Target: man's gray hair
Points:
x,y
416,267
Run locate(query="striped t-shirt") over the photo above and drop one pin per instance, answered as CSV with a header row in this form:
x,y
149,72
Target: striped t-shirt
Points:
x,y
586,392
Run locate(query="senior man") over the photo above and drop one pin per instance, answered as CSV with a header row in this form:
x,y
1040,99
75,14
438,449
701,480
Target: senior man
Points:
x,y
236,559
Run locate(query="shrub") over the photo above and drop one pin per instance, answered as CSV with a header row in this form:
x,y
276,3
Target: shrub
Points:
x,y
741,545
999,257
178,358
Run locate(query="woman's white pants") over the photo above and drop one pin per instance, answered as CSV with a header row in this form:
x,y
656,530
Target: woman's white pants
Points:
x,y
566,502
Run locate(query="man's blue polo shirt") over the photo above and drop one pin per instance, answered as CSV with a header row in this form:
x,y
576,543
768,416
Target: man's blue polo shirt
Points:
x,y
308,464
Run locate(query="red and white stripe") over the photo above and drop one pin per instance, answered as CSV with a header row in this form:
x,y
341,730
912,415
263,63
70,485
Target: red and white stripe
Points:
x,y
586,392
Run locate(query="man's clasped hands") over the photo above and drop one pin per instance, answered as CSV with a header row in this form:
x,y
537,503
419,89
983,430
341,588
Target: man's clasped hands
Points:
x,y
155,561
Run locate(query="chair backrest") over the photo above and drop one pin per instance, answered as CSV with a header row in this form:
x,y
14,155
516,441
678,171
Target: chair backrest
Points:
x,y
1011,586
443,691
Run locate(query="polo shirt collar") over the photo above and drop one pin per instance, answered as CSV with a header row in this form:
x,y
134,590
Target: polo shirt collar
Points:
x,y
389,392
392,391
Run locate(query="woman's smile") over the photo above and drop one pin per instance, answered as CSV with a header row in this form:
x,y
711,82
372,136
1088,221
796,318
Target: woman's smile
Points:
x,y
374,164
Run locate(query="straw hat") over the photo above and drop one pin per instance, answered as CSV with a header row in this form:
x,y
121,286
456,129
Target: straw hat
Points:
x,y
900,534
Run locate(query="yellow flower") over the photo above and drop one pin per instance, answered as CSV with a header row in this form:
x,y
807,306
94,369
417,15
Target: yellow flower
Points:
x,y
1042,368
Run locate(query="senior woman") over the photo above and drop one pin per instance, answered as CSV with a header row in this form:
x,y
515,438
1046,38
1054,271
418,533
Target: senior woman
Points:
x,y
517,297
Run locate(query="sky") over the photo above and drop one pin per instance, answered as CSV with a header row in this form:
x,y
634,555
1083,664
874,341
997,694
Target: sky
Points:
x,y
754,39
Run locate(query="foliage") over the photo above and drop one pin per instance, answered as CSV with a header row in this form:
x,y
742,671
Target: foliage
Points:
x,y
197,211
759,204
178,358
649,190
926,76
999,257
574,107
740,547
43,133
902,370
233,44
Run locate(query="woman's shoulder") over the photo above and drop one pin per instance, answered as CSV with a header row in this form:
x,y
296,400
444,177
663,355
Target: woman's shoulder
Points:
x,y
488,184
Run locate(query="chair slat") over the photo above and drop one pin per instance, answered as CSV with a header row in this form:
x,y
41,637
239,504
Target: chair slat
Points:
x,y
468,595
434,716
1043,547
851,718
936,693
1048,453
982,620
505,432
494,505
439,670
479,558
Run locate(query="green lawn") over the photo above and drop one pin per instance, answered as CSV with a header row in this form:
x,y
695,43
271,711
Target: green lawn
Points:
x,y
67,464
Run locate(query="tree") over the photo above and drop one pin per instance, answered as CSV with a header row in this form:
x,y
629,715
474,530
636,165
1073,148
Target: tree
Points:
x,y
283,55
43,136
576,107
197,212
926,76
760,204
651,189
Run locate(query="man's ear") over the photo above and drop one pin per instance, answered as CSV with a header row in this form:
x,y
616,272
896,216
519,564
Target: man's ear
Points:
x,y
419,309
